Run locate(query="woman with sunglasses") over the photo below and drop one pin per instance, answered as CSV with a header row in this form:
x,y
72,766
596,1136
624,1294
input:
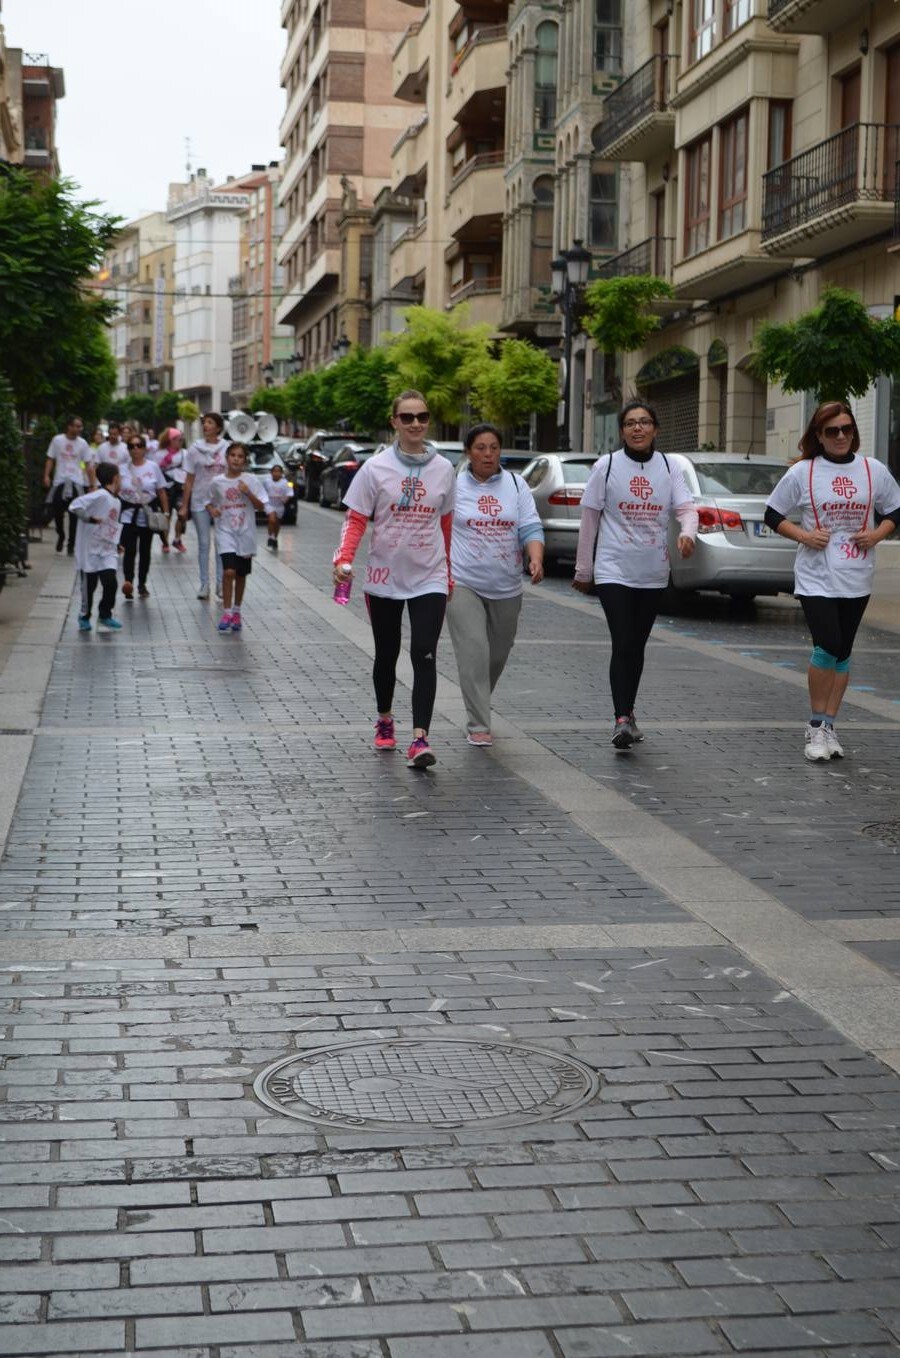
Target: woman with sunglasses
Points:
x,y
838,495
143,487
204,460
407,491
623,552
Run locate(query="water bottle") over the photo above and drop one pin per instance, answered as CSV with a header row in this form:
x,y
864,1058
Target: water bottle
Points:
x,y
342,591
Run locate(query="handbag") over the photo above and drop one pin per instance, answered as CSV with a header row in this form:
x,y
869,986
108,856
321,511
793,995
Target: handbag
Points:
x,y
157,520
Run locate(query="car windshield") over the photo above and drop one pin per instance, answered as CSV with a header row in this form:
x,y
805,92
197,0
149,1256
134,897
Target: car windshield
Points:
x,y
738,478
576,473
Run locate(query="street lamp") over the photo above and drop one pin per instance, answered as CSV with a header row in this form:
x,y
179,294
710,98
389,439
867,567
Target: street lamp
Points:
x,y
268,369
569,273
341,347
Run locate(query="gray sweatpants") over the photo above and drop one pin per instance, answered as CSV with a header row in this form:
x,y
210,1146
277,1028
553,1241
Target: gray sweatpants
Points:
x,y
482,632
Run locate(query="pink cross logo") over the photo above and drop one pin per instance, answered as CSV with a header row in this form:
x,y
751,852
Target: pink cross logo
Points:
x,y
412,488
640,488
488,504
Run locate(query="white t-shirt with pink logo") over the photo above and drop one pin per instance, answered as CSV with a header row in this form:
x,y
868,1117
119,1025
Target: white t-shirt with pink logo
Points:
x,y
485,554
204,461
67,456
96,544
407,556
636,500
236,525
842,497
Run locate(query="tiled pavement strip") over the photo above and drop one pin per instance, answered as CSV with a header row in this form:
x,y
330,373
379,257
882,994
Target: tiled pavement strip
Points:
x,y
193,898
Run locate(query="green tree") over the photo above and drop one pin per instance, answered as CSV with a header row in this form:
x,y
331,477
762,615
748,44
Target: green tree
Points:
x,y
616,314
836,350
116,411
274,400
441,355
310,398
362,389
12,477
53,343
522,381
165,410
188,411
140,408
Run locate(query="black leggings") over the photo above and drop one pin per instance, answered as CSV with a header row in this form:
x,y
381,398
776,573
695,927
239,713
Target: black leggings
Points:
x,y
136,541
89,582
833,622
60,514
426,617
630,615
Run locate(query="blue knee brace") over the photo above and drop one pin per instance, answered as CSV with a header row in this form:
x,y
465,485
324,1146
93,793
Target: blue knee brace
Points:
x,y
842,666
822,660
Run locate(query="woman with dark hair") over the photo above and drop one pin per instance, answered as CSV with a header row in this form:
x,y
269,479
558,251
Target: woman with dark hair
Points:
x,y
838,495
143,487
407,492
495,522
204,460
623,554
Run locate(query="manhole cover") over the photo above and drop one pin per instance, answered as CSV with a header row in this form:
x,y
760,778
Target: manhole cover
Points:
x,y
442,1082
887,831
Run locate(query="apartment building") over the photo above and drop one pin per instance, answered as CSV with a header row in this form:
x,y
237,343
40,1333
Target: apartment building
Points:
x,y
29,91
261,349
761,140
450,68
565,60
206,222
137,274
339,125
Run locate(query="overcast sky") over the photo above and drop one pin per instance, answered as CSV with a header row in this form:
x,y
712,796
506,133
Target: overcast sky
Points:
x,y
142,75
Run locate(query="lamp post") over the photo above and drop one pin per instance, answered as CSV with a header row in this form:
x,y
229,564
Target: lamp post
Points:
x,y
268,369
341,347
569,273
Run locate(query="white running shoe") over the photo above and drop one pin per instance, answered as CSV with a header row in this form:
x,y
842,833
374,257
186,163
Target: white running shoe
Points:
x,y
816,748
203,593
835,748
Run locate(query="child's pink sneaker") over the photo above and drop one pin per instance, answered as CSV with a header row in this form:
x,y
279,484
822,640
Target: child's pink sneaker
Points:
x,y
224,622
384,734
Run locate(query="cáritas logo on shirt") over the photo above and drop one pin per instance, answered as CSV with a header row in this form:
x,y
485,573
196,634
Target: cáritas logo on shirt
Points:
x,y
489,505
844,486
640,488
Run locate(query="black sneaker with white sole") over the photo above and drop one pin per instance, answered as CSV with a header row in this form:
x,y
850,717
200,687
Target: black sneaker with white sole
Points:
x,y
623,733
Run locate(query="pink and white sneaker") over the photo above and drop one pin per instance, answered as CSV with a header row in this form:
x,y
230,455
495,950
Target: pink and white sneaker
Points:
x,y
420,754
480,738
236,623
225,622
384,734
179,545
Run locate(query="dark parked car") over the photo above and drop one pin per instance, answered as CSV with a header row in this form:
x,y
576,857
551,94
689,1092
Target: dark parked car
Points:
x,y
262,458
320,451
336,477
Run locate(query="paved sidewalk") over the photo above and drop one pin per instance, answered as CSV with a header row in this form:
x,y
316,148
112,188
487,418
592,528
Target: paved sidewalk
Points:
x,y
544,1085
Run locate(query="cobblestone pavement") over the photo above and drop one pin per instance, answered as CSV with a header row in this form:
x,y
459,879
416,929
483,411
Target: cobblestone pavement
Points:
x,y
209,872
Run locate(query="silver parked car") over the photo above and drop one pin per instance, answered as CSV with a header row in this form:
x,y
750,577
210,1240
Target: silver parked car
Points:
x,y
736,552
557,482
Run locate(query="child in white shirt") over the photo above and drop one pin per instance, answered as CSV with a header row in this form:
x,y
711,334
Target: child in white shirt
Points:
x,y
96,546
233,501
278,492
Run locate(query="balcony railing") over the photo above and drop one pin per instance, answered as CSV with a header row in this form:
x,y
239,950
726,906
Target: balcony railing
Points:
x,y
410,32
494,33
857,164
776,6
651,256
485,160
643,93
475,287
409,132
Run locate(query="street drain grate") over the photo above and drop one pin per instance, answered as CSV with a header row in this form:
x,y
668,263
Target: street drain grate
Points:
x,y
444,1083
886,831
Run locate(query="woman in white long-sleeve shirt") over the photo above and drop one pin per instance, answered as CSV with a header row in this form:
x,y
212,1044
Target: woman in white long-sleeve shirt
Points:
x,y
623,553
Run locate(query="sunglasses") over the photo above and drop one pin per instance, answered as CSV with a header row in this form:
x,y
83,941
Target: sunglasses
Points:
x,y
133,446
838,431
413,417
